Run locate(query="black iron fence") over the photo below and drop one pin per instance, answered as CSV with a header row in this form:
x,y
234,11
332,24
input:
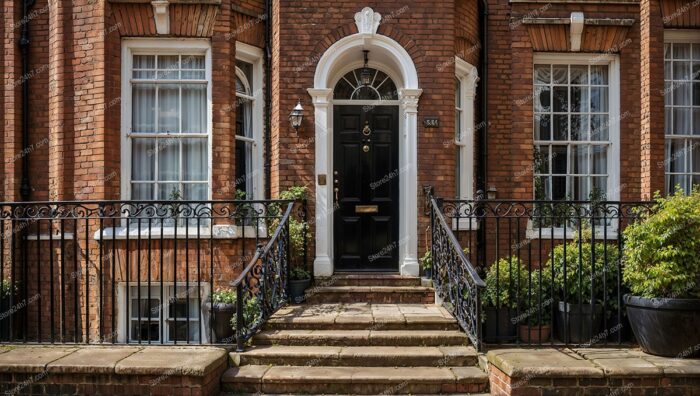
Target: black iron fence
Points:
x,y
552,269
133,272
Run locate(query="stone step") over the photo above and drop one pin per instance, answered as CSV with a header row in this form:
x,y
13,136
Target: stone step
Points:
x,y
362,316
354,380
366,356
362,337
368,279
371,294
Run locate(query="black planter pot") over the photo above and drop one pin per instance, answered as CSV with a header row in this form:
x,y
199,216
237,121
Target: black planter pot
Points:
x,y
616,328
581,320
297,289
665,326
222,314
498,326
5,321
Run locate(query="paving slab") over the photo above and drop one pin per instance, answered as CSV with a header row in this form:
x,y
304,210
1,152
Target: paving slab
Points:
x,y
296,374
551,363
92,360
31,359
247,374
400,374
195,361
673,367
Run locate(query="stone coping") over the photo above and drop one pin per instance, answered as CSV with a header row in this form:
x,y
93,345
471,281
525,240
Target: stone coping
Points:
x,y
123,360
589,363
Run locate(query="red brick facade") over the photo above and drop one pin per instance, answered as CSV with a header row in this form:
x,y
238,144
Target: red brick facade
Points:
x,y
75,86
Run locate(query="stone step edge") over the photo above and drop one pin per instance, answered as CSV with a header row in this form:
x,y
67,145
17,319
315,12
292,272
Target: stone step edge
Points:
x,y
363,337
337,356
371,289
256,374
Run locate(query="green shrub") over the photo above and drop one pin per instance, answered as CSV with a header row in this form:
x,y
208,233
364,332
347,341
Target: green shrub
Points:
x,y
251,313
504,283
427,260
536,297
224,296
298,273
662,251
578,257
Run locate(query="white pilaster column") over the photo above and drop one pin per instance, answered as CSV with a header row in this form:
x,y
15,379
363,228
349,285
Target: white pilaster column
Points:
x,y
408,188
323,264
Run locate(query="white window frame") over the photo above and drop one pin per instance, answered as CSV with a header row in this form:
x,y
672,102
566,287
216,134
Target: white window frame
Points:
x,y
123,322
468,76
613,185
676,36
164,46
254,56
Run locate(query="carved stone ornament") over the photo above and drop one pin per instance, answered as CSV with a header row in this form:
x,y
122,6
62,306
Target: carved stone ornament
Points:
x,y
367,21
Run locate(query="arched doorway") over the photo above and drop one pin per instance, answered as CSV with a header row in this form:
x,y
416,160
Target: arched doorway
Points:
x,y
389,57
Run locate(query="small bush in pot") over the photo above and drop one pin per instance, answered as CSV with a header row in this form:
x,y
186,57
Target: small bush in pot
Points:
x,y
577,320
426,263
299,282
501,299
662,271
536,312
224,307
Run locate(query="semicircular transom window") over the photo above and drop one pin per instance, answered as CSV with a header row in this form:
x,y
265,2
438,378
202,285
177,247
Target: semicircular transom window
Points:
x,y
381,86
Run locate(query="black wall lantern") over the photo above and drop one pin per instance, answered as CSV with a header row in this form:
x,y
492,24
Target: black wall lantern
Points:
x,y
296,116
366,74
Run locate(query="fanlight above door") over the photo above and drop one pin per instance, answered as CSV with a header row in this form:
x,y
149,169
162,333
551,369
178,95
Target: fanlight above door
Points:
x,y
350,87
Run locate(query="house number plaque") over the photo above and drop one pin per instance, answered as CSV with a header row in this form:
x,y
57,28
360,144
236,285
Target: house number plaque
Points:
x,y
431,122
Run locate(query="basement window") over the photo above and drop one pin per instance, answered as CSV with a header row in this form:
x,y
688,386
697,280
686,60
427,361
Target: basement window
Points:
x,y
163,314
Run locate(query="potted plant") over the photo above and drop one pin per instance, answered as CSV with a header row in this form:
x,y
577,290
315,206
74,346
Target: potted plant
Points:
x,y
223,309
300,280
662,271
577,320
536,317
251,314
298,229
427,264
6,290
504,281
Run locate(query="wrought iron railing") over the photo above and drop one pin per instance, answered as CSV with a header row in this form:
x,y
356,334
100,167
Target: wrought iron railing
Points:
x,y
262,287
553,269
455,279
126,271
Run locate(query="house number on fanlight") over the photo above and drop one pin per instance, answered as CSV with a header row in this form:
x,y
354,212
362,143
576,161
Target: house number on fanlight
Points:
x,y
431,122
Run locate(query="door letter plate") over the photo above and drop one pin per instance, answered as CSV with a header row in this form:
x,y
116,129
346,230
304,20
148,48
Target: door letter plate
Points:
x,y
322,180
366,208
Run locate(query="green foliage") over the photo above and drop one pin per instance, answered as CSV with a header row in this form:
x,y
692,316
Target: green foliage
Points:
x,y
224,296
251,313
536,297
662,252
298,273
504,283
427,260
581,251
296,193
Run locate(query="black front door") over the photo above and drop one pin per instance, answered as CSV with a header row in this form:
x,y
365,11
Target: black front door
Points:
x,y
366,187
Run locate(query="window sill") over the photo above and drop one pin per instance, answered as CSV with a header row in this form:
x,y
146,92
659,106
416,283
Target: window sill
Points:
x,y
221,231
559,233
465,224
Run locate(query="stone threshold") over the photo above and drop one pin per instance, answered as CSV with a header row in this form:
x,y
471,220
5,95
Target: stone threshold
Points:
x,y
574,371
34,369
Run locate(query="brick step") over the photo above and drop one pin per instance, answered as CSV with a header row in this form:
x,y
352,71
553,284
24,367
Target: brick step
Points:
x,y
362,337
354,380
368,279
362,323
371,294
375,356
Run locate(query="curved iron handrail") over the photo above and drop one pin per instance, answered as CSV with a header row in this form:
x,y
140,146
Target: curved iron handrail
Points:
x,y
264,281
455,278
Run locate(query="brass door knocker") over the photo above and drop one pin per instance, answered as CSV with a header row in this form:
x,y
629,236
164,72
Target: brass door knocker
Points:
x,y
366,130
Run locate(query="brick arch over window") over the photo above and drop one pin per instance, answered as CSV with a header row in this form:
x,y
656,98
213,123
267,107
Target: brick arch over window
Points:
x,y
341,51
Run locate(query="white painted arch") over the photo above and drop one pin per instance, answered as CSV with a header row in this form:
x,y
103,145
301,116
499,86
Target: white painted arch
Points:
x,y
390,57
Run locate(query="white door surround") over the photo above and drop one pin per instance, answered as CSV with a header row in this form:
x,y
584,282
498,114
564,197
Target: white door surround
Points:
x,y
390,57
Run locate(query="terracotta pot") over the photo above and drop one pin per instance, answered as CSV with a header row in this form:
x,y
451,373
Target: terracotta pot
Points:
x,y
534,334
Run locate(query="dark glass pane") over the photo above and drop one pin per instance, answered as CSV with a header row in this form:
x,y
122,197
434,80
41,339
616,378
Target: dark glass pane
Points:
x,y
143,330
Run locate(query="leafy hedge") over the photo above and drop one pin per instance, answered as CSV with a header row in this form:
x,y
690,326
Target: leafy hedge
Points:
x,y
662,252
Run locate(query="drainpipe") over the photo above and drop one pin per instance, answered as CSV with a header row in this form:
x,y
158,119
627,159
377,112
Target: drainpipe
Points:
x,y
25,188
268,97
483,131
